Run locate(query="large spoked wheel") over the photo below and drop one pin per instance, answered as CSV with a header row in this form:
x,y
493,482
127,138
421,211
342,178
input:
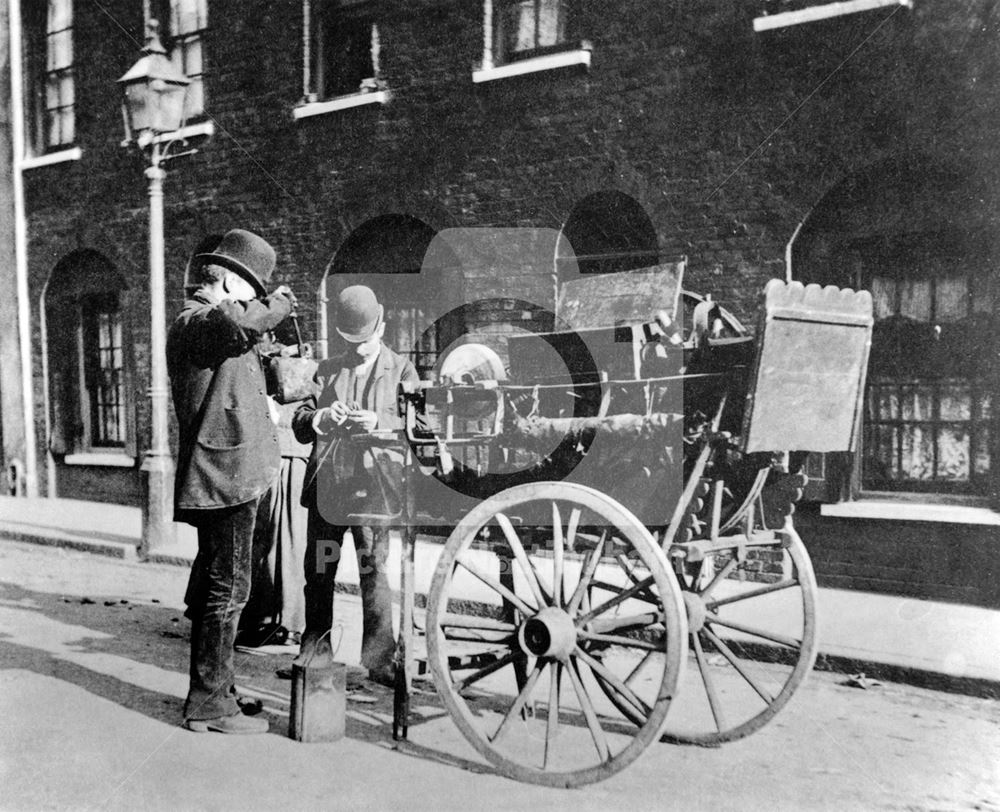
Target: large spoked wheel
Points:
x,y
751,615
544,593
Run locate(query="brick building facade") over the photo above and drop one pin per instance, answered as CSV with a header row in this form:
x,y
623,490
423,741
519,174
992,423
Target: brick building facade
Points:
x,y
858,150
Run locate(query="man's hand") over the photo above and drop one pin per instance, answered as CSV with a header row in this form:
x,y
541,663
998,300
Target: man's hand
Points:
x,y
363,419
326,420
284,290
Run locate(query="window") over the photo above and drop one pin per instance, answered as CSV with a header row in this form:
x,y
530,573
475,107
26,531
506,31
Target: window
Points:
x,y
49,72
345,50
59,118
183,26
103,368
929,408
525,28
89,359
908,231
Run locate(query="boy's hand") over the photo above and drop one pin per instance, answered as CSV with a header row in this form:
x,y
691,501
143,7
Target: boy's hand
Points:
x,y
326,420
363,419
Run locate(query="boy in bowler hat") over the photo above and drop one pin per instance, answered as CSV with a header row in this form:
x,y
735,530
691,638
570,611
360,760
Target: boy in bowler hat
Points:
x,y
356,394
228,456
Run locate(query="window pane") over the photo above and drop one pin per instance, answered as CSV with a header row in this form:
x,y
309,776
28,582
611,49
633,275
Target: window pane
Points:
x,y
982,463
883,292
53,125
551,23
917,403
191,61
952,299
953,454
194,103
60,15
885,403
986,406
52,89
956,402
917,453
67,126
60,50
915,299
518,21
187,16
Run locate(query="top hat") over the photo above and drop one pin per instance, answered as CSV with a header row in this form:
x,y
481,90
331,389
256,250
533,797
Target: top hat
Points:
x,y
246,254
358,314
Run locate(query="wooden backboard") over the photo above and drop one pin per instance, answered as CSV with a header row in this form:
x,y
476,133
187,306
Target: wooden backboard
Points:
x,y
812,354
615,299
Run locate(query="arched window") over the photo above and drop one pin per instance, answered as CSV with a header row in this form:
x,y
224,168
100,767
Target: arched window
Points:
x,y
608,232
88,341
906,231
386,253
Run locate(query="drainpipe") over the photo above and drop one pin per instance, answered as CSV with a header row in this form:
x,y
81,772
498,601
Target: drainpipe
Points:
x,y
21,252
788,251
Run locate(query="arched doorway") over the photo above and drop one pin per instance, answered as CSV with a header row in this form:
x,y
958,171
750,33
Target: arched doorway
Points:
x,y
608,232
912,232
87,342
387,254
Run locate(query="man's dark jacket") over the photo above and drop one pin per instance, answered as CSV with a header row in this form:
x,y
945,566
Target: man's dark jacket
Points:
x,y
228,450
335,381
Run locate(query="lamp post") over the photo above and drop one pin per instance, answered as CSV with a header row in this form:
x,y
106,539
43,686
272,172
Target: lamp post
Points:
x,y
153,106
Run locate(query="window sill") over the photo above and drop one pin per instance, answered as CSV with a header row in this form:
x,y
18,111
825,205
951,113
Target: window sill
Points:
x,y
72,154
892,510
563,59
320,108
105,460
822,12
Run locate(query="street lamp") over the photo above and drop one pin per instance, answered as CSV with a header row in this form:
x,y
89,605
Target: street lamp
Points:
x,y
154,92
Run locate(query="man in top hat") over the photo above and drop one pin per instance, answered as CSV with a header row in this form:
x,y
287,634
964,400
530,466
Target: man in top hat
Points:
x,y
228,456
356,394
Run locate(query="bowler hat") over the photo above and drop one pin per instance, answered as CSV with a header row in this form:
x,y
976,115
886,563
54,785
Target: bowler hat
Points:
x,y
246,254
358,314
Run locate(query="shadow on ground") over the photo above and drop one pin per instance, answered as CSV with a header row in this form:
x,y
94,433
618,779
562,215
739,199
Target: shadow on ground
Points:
x,y
135,654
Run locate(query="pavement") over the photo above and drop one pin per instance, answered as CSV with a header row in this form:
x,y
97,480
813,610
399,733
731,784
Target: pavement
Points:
x,y
945,646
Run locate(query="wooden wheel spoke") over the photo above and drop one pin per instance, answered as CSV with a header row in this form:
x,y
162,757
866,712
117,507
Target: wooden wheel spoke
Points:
x,y
767,589
774,637
735,662
713,698
571,528
557,556
530,573
642,663
461,684
596,731
619,640
552,723
586,575
719,577
613,680
621,597
645,595
473,622
519,703
499,588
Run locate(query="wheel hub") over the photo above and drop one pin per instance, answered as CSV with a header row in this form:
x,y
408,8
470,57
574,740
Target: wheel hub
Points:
x,y
550,633
696,611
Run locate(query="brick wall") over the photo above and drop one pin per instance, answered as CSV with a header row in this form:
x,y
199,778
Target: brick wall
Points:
x,y
726,138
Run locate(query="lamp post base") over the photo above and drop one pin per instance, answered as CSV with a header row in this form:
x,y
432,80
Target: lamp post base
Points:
x,y
159,534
